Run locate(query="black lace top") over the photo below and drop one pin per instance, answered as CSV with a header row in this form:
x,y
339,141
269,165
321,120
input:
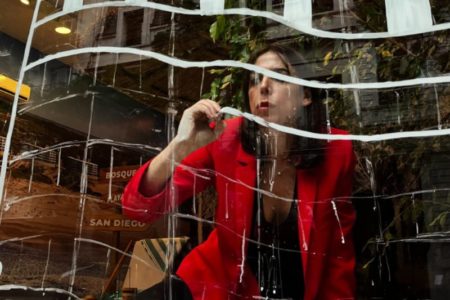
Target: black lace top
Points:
x,y
276,260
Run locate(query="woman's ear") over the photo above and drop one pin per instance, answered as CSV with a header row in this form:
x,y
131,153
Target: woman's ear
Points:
x,y
306,101
307,97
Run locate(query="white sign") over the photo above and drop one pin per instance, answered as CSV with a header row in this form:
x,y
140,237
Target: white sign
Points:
x,y
122,174
116,224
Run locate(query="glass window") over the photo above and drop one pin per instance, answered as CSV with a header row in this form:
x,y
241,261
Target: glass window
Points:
x,y
224,150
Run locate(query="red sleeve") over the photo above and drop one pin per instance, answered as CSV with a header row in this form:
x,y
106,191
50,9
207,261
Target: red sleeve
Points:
x,y
191,176
340,281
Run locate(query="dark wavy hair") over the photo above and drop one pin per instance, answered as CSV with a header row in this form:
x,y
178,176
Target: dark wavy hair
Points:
x,y
304,152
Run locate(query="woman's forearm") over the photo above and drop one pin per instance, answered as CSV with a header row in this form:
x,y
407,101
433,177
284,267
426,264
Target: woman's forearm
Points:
x,y
160,169
193,132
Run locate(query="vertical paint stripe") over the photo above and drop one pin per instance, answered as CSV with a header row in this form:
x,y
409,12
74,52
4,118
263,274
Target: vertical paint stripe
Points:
x,y
210,7
405,16
299,12
72,5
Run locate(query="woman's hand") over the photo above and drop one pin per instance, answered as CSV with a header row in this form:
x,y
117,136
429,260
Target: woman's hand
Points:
x,y
194,130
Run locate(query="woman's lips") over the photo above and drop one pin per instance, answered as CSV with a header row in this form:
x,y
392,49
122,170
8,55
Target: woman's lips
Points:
x,y
263,105
263,108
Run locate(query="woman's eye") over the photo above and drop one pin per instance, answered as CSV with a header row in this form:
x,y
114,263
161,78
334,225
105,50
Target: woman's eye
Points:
x,y
279,80
282,72
256,78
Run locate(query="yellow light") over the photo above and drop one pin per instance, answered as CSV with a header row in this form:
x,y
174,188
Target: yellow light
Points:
x,y
9,86
63,30
26,2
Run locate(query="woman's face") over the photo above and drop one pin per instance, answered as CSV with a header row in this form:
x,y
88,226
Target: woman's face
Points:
x,y
273,100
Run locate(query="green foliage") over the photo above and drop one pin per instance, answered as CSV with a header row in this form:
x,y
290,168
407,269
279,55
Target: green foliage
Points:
x,y
440,220
239,36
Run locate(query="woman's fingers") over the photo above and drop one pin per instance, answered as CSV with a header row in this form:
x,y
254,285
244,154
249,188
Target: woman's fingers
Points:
x,y
211,107
206,108
195,127
198,116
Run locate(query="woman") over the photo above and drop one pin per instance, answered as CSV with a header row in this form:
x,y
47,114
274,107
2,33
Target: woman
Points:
x,y
283,223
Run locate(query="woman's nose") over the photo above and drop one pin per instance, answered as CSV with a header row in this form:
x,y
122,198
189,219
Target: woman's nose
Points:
x,y
264,84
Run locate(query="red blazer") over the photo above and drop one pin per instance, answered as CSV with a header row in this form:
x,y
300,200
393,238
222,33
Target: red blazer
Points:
x,y
216,269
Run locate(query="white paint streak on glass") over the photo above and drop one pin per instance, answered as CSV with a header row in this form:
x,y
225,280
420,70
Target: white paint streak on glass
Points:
x,y
46,266
208,7
44,79
371,175
201,83
135,2
111,169
95,242
115,70
108,257
388,267
20,239
407,16
355,79
342,11
204,292
242,265
302,226
72,5
140,72
69,79
194,197
15,287
83,191
327,112
58,177
298,12
397,101
333,204
171,132
226,202
415,214
97,61
258,205
232,63
363,138
33,106
30,181
438,109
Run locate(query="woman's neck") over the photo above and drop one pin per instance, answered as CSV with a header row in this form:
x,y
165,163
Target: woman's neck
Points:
x,y
276,144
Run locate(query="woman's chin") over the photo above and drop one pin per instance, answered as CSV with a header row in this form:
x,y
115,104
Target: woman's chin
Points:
x,y
273,119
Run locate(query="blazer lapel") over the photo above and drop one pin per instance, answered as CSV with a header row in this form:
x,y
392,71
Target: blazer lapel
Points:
x,y
306,193
245,176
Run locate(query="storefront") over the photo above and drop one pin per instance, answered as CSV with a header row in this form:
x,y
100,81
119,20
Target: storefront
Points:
x,y
105,93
